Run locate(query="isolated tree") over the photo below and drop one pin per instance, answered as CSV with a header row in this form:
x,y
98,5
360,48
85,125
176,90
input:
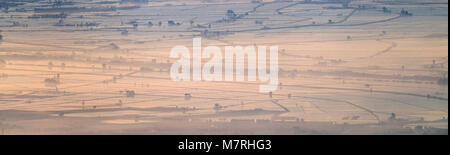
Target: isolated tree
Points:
x,y
393,116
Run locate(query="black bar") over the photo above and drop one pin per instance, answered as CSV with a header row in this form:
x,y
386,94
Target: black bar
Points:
x,y
278,144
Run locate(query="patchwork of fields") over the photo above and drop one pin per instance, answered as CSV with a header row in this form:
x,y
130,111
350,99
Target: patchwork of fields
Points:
x,y
102,67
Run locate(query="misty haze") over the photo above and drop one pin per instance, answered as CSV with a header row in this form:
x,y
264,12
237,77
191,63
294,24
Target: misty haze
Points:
x,y
103,67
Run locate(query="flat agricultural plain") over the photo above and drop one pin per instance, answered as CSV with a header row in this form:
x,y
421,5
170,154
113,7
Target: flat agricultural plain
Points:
x,y
102,67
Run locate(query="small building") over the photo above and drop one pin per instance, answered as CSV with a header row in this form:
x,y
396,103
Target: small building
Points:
x,y
230,14
386,10
130,93
172,23
218,107
187,96
405,13
124,33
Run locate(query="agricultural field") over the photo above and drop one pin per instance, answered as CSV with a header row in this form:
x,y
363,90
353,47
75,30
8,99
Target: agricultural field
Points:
x,y
103,67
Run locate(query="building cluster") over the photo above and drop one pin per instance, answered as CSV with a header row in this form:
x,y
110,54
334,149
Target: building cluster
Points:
x,y
405,13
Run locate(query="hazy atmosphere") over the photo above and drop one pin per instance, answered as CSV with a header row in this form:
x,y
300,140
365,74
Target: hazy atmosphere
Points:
x,y
103,67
